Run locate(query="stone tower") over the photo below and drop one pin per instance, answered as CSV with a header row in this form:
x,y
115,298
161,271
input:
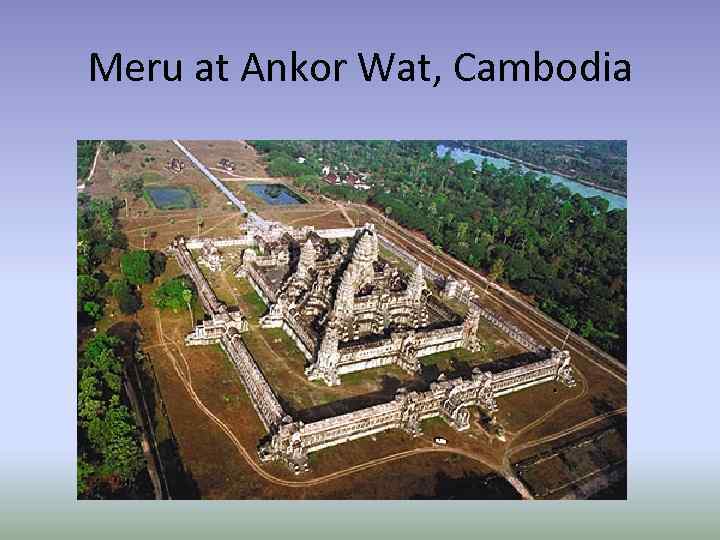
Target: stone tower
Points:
x,y
325,367
470,329
308,259
345,296
365,254
416,284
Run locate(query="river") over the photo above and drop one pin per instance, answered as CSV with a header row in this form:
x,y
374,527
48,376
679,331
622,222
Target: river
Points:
x,y
459,155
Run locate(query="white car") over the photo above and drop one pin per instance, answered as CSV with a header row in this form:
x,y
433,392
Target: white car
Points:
x,y
440,440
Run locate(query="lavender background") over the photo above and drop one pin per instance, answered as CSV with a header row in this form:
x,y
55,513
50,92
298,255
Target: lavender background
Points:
x,y
668,113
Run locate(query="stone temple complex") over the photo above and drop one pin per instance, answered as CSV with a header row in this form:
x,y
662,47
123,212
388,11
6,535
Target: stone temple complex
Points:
x,y
348,309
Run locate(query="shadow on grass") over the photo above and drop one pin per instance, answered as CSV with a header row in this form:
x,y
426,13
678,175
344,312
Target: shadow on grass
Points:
x,y
180,483
390,385
470,486
388,388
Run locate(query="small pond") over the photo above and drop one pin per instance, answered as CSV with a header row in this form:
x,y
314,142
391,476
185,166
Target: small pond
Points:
x,y
171,198
276,194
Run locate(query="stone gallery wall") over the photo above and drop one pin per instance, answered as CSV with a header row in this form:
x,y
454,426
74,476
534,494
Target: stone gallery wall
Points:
x,y
291,441
448,399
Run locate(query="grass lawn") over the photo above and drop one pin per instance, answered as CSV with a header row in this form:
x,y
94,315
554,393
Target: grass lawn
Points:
x,y
444,360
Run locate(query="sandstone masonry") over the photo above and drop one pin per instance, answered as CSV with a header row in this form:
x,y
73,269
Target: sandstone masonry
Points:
x,y
349,310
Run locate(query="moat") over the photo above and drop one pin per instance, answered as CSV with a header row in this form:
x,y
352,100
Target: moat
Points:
x,y
460,155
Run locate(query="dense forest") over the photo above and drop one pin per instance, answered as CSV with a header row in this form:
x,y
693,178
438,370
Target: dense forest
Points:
x,y
110,463
567,252
603,163
109,454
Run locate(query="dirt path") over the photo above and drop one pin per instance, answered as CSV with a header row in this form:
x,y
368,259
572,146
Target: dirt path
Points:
x,y
167,224
577,427
155,227
218,224
583,478
298,220
512,450
509,451
345,214
224,171
234,177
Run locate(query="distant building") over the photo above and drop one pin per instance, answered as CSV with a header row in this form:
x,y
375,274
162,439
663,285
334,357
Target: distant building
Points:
x,y
226,164
332,179
175,165
354,180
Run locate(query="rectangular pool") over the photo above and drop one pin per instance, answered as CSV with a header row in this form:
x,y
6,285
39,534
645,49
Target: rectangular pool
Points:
x,y
276,194
171,198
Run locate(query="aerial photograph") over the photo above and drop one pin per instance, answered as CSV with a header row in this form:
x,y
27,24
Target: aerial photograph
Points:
x,y
352,319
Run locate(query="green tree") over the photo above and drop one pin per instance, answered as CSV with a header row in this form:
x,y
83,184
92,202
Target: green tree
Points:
x,y
94,310
462,230
84,471
134,185
172,294
136,266
496,272
119,147
127,298
159,261
100,356
85,157
187,295
588,329
119,442
90,395
87,286
107,423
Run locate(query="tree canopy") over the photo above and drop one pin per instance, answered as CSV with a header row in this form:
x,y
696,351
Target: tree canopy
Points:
x,y
109,454
108,439
137,267
119,147
173,294
97,235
